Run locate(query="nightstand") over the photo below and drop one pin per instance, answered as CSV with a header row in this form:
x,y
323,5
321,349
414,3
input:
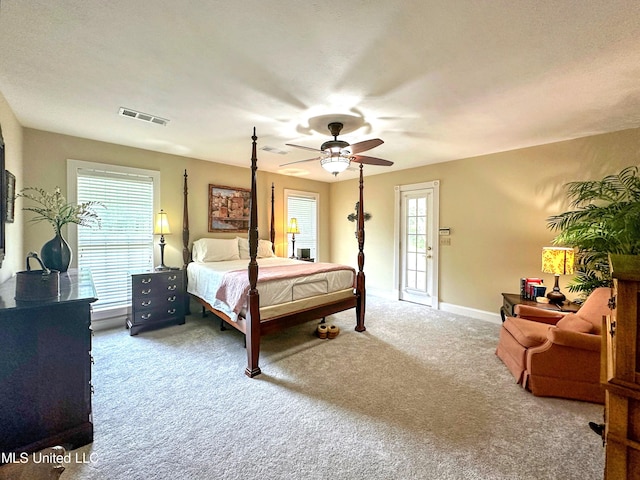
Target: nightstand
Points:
x,y
157,300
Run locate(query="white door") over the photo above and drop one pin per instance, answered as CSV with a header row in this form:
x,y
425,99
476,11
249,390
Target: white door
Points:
x,y
418,248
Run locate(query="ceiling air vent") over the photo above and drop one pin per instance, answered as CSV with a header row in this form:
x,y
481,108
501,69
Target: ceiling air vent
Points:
x,y
267,148
145,117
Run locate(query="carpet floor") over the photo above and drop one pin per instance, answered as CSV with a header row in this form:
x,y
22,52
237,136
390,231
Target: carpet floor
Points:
x,y
419,395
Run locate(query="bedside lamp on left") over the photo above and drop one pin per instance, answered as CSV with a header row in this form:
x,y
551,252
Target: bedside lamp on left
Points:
x,y
162,228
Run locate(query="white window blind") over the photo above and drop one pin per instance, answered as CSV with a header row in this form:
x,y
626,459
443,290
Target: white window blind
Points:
x,y
125,240
304,207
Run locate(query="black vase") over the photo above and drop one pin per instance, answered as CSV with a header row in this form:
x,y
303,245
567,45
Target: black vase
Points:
x,y
56,254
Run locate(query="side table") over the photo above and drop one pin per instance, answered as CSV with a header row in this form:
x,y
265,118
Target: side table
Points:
x,y
158,299
510,300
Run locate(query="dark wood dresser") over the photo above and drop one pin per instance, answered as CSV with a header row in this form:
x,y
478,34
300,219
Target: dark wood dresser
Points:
x,y
620,372
45,367
157,300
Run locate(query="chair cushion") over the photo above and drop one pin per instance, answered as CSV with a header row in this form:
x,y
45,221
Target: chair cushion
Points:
x,y
527,333
573,323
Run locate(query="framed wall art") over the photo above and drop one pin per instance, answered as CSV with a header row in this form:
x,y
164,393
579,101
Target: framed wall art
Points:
x,y
229,209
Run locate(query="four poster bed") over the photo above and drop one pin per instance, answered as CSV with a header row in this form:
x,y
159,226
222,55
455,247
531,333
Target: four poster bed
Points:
x,y
293,291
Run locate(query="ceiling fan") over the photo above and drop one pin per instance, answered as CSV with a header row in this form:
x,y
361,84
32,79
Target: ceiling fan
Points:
x,y
336,155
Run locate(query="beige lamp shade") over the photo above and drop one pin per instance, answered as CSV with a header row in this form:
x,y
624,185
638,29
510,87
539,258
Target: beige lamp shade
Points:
x,y
557,260
293,226
161,226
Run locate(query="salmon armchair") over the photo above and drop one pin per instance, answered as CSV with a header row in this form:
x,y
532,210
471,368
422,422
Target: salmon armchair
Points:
x,y
556,354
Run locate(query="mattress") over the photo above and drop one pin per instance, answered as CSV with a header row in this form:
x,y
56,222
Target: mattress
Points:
x,y
204,280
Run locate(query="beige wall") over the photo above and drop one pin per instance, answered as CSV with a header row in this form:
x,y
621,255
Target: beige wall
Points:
x,y
13,139
45,166
496,206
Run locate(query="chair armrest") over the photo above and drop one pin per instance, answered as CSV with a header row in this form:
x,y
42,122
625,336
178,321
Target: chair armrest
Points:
x,y
583,341
538,314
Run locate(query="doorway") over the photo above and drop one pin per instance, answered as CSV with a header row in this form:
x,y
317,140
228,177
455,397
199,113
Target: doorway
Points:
x,y
416,242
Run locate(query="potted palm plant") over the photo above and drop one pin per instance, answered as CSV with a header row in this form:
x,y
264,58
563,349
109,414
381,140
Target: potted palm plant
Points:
x,y
605,218
52,207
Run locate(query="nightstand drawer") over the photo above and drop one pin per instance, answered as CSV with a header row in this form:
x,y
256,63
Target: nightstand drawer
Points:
x,y
155,284
158,300
159,313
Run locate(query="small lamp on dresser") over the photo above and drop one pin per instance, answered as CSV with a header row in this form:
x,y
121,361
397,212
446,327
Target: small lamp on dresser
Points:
x,y
559,261
162,228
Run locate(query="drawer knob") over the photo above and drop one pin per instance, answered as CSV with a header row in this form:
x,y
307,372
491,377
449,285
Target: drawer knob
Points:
x,y
171,311
173,277
146,316
146,292
146,280
146,303
171,298
172,287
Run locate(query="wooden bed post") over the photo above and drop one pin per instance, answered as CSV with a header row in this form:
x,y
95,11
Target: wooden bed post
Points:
x,y
186,256
360,285
272,235
253,297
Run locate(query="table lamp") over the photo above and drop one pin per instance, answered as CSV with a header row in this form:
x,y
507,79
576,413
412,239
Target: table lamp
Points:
x,y
293,229
162,228
559,261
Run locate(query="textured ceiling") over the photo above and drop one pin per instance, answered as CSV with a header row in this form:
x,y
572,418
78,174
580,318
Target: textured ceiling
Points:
x,y
436,80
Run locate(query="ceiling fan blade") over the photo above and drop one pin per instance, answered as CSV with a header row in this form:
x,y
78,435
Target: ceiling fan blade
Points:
x,y
365,145
300,161
303,147
371,160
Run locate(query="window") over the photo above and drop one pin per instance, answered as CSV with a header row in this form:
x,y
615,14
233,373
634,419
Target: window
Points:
x,y
303,206
125,240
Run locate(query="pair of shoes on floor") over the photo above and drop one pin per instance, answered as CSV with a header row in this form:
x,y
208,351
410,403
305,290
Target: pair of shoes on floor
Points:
x,y
327,331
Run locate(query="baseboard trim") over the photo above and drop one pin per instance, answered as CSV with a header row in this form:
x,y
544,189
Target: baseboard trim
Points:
x,y
109,323
445,307
386,294
472,312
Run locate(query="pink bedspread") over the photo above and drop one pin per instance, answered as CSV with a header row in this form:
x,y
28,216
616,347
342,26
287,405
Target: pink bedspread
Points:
x,y
235,284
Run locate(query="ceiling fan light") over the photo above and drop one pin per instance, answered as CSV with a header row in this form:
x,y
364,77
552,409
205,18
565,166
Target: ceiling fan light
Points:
x,y
335,163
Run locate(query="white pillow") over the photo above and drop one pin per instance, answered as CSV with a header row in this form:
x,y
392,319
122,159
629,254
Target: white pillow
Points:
x,y
265,249
215,250
243,247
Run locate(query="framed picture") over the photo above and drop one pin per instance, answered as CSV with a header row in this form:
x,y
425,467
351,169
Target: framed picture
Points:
x,y
229,209
10,180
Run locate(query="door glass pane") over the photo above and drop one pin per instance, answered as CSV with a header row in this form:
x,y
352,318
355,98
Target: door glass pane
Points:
x,y
411,225
411,207
422,225
422,206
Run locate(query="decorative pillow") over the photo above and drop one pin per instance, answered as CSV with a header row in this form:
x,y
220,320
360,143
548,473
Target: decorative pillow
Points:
x,y
573,323
215,250
265,249
243,247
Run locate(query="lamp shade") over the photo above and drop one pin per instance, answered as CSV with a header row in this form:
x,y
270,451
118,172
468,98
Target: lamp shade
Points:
x,y
334,161
293,226
161,226
557,260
